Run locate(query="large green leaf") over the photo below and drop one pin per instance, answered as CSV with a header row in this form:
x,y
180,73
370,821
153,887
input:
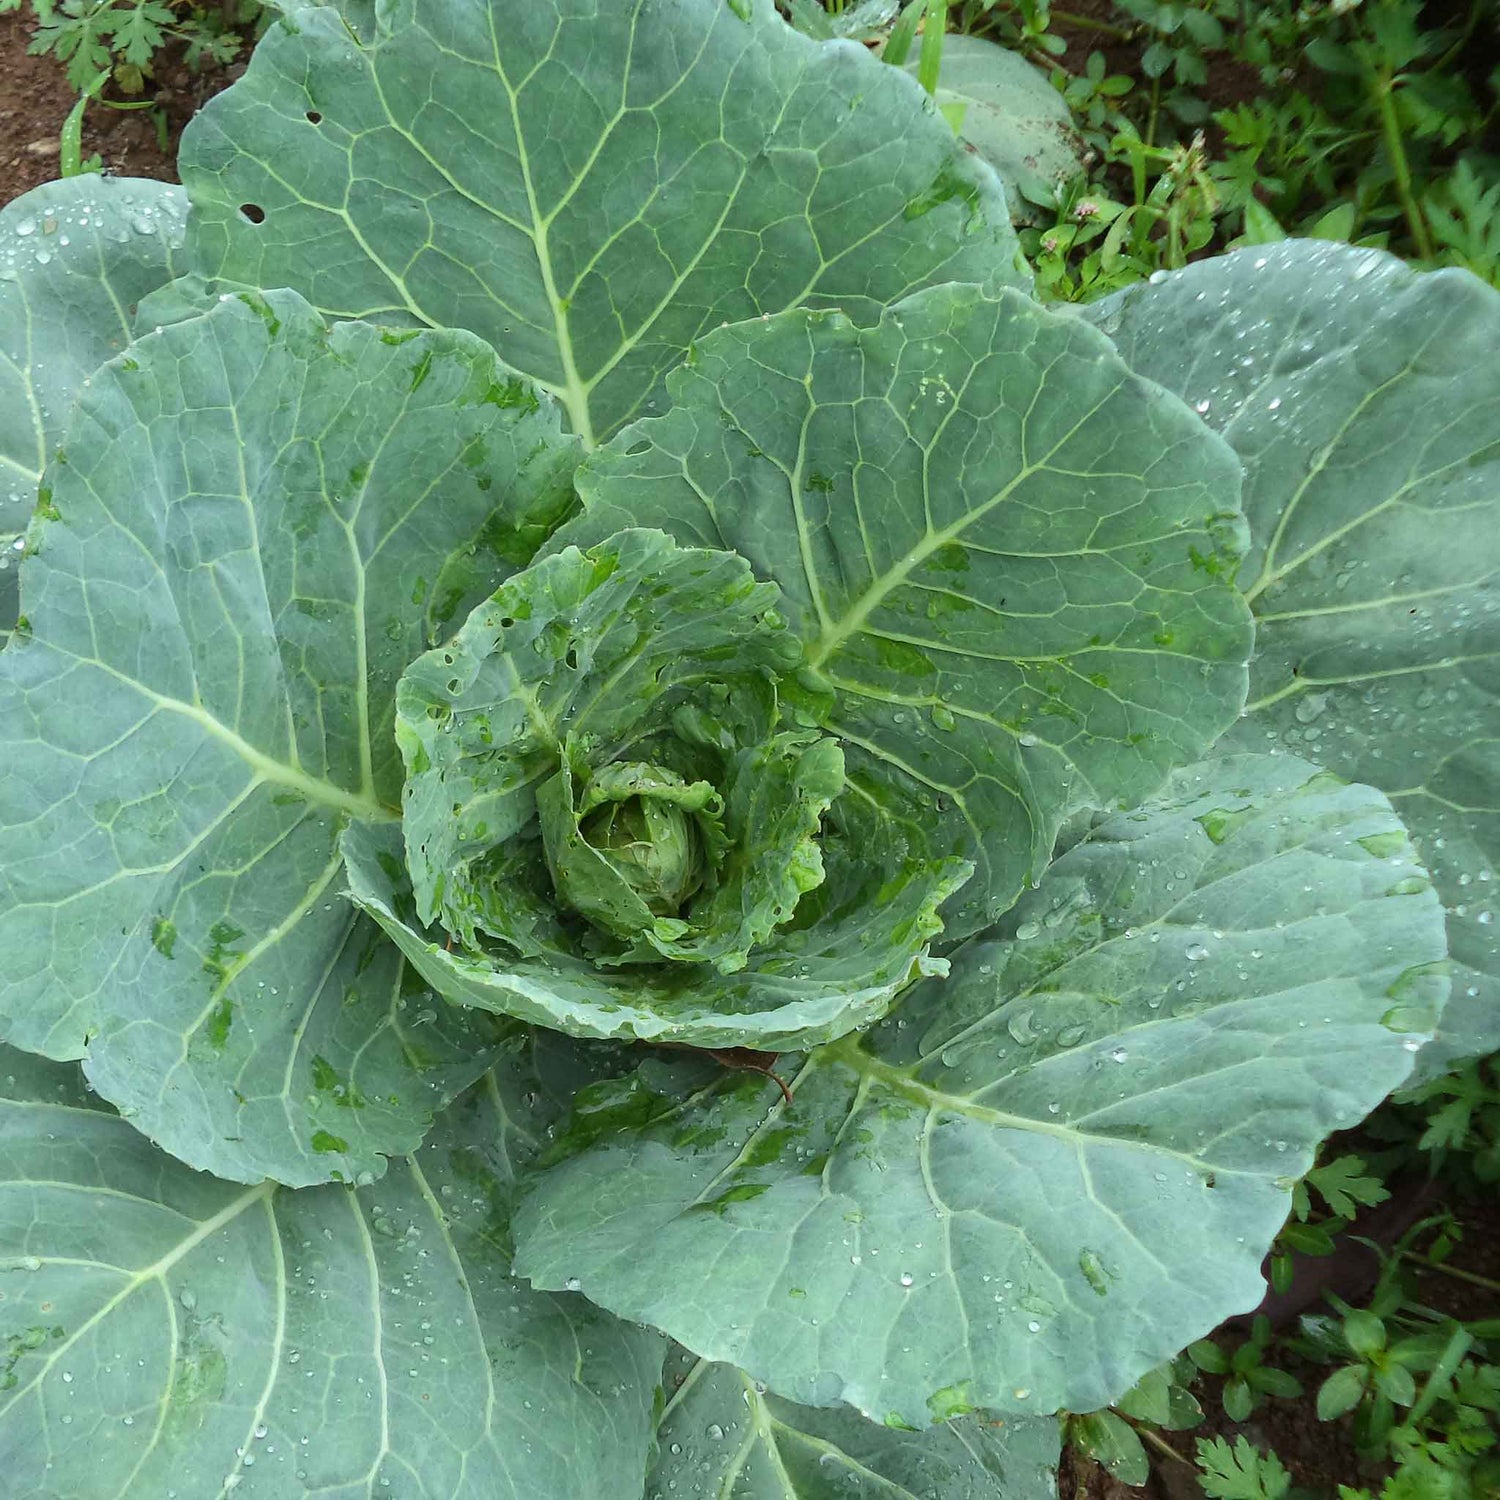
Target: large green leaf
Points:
x,y
724,1435
589,188
257,523
1365,401
75,257
163,1333
1008,556
1045,1174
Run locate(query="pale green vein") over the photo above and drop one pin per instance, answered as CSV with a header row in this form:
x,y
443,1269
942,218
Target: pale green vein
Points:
x,y
164,1404
933,541
762,1421
440,1220
157,1269
899,1081
263,945
1303,684
829,1451
273,1354
574,393
267,769
377,1337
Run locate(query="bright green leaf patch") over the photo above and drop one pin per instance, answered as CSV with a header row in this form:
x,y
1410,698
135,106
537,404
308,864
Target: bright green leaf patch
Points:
x,y
625,822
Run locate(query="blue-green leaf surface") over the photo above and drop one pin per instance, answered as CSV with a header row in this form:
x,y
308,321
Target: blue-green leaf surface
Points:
x,y
1364,399
589,188
75,258
256,524
724,1436
165,1334
1009,557
1039,1177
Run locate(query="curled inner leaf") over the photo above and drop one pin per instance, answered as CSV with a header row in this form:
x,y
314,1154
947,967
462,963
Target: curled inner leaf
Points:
x,y
662,835
624,817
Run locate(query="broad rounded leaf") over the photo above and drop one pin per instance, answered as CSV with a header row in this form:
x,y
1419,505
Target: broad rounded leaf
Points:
x,y
1008,556
256,525
589,189
1364,399
163,1333
75,258
1045,1174
1012,116
723,1435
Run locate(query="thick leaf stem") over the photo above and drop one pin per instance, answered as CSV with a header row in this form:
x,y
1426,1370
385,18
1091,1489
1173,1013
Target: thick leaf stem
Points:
x,y
1154,1439
1456,1272
1383,87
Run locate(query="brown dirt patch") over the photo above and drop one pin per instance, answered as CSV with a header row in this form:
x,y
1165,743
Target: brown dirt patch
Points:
x,y
35,100
1096,26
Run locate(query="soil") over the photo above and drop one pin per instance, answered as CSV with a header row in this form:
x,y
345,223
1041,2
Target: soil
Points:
x,y
1095,26
35,99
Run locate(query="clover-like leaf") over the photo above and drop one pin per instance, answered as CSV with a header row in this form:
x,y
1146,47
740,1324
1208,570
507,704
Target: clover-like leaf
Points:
x,y
255,525
1008,557
642,699
75,258
1364,399
589,190
1039,1177
163,1333
723,1434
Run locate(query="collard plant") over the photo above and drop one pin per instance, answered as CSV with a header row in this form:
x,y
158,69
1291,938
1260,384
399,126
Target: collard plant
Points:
x,y
632,858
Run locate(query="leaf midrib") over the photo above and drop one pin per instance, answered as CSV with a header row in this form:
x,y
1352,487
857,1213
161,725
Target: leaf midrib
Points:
x,y
849,1053
830,640
574,393
155,1271
267,769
